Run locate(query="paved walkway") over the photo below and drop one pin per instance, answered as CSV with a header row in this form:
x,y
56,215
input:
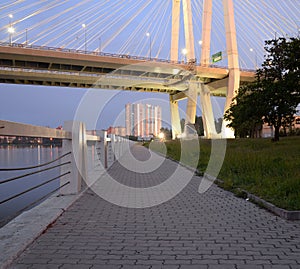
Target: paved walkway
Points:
x,y
211,230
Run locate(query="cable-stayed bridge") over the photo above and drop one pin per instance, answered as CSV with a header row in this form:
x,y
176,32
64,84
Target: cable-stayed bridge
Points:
x,y
50,66
92,44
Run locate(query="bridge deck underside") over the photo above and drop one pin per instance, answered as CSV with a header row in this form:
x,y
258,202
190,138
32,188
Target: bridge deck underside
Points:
x,y
103,81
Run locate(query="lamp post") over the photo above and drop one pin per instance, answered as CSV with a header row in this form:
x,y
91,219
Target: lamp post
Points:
x,y
150,44
26,37
84,28
252,50
99,45
184,52
200,44
10,29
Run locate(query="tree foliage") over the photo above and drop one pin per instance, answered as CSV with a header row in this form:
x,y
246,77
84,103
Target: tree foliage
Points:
x,y
167,132
246,112
274,95
218,124
199,125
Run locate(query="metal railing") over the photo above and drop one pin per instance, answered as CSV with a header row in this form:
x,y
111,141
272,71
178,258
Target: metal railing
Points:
x,y
27,179
33,173
112,55
72,163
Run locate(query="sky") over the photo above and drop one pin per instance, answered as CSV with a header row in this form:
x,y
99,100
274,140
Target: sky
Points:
x,y
115,27
51,106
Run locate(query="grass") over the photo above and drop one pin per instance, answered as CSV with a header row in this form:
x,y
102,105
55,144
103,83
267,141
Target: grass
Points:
x,y
264,168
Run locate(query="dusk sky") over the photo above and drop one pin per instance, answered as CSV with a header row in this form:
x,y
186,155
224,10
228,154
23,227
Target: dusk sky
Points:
x,y
115,27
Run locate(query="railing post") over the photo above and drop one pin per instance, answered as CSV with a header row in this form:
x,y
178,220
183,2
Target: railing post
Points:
x,y
78,158
104,134
113,146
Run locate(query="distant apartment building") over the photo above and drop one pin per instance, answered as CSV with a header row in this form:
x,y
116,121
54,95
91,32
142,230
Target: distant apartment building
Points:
x,y
142,120
268,131
118,130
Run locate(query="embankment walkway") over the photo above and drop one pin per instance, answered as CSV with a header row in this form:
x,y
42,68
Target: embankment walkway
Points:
x,y
213,230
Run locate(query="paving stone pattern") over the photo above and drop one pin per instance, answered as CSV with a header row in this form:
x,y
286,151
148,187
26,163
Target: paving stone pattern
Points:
x,y
214,230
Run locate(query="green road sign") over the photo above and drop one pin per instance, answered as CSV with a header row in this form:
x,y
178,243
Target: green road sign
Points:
x,y
217,57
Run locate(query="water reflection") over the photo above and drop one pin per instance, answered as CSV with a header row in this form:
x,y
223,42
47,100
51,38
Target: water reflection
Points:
x,y
16,156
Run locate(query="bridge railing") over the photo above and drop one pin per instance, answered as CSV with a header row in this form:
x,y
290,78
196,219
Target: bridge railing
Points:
x,y
73,160
96,53
113,55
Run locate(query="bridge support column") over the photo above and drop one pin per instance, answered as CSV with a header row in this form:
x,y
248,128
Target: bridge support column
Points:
x,y
191,107
188,29
233,62
175,30
206,31
207,113
175,118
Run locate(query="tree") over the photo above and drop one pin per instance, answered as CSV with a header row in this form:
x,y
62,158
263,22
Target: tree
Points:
x,y
279,78
199,128
182,123
218,124
167,132
275,94
246,111
199,125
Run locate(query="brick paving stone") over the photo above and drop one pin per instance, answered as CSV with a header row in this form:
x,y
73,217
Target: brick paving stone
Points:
x,y
277,267
294,266
76,266
222,266
138,267
192,230
194,267
252,266
22,266
46,266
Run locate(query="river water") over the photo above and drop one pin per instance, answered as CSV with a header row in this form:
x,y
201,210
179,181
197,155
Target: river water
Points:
x,y
14,157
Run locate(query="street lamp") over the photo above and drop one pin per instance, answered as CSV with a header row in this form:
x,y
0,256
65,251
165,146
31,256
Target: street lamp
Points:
x,y
200,44
99,45
84,27
184,52
148,34
252,50
10,29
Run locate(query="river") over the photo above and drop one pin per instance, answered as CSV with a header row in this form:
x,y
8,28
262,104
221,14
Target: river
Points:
x,y
13,157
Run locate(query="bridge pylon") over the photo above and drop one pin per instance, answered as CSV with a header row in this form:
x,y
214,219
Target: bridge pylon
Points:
x,y
233,64
175,118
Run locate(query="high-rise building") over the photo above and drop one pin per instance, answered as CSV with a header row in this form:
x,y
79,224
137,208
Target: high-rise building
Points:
x,y
118,130
142,120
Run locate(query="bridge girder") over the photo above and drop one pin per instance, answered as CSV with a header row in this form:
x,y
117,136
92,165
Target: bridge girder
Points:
x,y
55,68
60,69
38,68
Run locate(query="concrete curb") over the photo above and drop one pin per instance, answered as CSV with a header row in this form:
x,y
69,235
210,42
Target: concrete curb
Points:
x,y
283,213
16,235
